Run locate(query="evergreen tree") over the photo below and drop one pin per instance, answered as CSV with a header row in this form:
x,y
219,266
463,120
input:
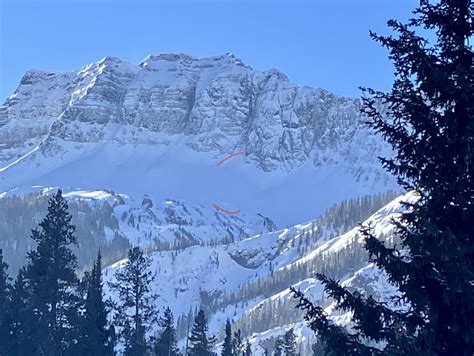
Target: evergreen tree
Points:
x,y
278,350
285,345
237,343
166,344
289,343
319,349
50,281
5,311
21,327
430,125
135,311
97,337
200,343
227,346
247,349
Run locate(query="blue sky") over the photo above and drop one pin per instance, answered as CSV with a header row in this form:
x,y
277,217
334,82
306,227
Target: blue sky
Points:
x,y
322,43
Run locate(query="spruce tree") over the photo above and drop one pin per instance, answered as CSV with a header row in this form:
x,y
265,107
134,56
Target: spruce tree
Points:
x,y
237,343
200,343
166,344
50,280
289,343
278,350
97,337
247,349
5,311
23,342
135,311
319,349
430,126
227,345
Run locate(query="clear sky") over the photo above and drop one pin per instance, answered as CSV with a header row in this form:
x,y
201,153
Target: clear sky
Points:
x,y
321,43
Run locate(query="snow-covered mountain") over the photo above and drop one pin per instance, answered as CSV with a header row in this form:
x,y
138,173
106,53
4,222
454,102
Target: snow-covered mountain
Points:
x,y
248,281
237,267
113,222
160,127
139,147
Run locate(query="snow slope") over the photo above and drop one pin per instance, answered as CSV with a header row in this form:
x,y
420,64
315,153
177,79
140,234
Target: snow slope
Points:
x,y
155,131
160,127
113,222
184,278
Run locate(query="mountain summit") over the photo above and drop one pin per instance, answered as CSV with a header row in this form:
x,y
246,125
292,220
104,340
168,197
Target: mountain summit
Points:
x,y
160,126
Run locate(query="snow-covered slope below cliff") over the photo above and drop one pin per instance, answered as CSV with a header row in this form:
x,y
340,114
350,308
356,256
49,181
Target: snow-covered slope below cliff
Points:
x,y
160,127
248,281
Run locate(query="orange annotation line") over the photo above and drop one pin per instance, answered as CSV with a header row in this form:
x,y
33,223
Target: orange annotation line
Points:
x,y
225,159
224,210
217,206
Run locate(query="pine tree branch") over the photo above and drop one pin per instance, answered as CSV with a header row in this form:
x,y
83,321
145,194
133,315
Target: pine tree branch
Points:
x,y
336,339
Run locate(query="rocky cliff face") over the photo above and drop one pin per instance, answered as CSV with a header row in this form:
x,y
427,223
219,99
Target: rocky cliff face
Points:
x,y
214,104
157,129
115,125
